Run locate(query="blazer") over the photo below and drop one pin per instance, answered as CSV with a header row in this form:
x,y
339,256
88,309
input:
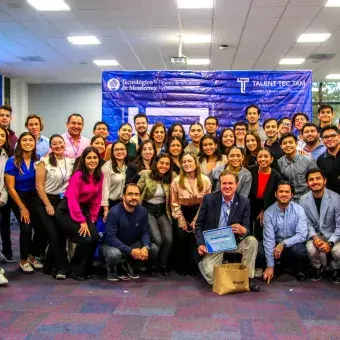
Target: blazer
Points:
x,y
328,223
210,212
269,194
148,188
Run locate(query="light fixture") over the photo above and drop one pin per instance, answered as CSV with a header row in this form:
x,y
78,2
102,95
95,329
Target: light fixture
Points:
x,y
49,5
318,37
333,76
198,62
108,62
196,38
84,40
315,89
195,3
291,61
333,3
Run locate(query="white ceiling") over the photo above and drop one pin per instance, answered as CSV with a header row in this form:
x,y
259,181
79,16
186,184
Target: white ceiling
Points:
x,y
141,35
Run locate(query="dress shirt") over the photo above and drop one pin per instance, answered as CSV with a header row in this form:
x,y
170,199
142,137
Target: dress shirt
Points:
x,y
43,146
295,171
289,225
72,151
318,151
225,212
331,166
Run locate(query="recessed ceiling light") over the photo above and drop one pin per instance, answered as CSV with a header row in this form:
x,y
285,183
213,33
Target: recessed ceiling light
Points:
x,y
333,3
84,40
333,76
198,61
319,37
195,3
49,5
291,61
196,38
315,89
110,62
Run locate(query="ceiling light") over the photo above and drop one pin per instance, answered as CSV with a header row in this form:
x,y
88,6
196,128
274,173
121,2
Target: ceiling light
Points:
x,y
333,3
291,61
333,76
315,89
84,40
110,62
197,39
198,61
49,5
195,3
319,37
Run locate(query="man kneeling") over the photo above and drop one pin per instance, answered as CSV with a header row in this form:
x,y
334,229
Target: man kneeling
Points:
x,y
127,236
221,209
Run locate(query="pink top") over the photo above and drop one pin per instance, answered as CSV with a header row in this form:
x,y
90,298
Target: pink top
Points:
x,y
79,192
73,150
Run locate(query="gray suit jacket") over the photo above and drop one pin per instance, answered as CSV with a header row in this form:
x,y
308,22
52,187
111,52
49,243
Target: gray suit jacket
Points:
x,y
328,223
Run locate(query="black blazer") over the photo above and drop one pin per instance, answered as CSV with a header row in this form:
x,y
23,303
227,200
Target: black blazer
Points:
x,y
131,175
269,193
210,212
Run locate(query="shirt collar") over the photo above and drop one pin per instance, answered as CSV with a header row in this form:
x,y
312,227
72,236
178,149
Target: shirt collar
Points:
x,y
328,155
228,203
296,157
288,208
70,137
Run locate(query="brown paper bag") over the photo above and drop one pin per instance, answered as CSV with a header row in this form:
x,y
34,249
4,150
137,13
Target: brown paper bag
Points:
x,y
230,278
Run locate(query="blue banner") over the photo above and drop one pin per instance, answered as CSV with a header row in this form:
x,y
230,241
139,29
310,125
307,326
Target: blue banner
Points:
x,y
190,96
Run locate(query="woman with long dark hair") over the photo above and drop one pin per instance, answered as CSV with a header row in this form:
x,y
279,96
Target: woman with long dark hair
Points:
x,y
158,136
155,197
210,156
114,172
177,130
252,142
79,210
20,181
187,192
52,175
146,154
174,147
226,140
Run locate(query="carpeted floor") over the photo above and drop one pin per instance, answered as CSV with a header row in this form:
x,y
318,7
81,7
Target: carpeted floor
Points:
x,y
39,307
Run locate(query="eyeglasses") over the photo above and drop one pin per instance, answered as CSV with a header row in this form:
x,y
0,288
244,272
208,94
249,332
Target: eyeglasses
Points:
x,y
243,130
118,150
287,124
329,136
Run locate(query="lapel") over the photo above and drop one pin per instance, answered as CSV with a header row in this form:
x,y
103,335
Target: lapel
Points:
x,y
216,211
312,207
233,208
187,185
326,200
269,187
255,179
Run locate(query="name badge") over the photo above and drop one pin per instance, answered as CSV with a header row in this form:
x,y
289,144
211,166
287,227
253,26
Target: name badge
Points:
x,y
61,195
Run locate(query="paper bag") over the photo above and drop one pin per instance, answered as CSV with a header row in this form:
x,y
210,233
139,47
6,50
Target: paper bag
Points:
x,y
230,278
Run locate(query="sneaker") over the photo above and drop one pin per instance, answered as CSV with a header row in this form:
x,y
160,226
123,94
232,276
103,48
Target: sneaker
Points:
x,y
336,276
3,280
2,271
26,268
258,273
121,275
315,274
112,274
36,264
9,258
60,276
129,271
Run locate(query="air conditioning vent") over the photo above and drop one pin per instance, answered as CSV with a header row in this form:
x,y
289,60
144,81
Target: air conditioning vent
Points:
x,y
33,59
322,56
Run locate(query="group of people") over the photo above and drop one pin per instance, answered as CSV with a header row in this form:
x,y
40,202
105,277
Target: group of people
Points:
x,y
154,194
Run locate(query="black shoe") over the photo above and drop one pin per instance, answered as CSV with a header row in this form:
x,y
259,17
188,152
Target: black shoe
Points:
x,y
182,272
164,271
112,274
77,278
301,276
315,274
336,276
153,271
129,271
253,286
9,258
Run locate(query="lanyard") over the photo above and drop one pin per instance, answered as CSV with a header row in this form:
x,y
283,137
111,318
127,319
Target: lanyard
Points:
x,y
61,171
75,150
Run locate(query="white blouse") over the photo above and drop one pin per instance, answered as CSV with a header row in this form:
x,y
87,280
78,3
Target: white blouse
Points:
x,y
56,180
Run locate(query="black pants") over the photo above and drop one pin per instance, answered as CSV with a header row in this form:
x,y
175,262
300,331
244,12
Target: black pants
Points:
x,y
257,207
56,259
5,228
185,245
28,246
81,262
294,258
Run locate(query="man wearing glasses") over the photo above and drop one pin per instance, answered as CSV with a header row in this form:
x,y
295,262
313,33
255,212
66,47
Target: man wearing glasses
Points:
x,y
211,125
240,129
329,161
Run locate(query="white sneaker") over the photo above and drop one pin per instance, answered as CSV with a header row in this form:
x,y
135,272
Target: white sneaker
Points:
x,y
26,268
3,280
36,264
2,271
258,272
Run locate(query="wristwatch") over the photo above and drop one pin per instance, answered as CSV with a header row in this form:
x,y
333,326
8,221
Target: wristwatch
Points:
x,y
147,247
331,244
283,243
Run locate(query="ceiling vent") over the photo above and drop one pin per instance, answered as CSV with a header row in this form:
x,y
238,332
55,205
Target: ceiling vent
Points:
x,y
14,5
321,56
34,59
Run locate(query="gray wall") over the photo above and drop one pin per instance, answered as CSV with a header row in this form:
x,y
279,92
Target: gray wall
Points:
x,y
56,102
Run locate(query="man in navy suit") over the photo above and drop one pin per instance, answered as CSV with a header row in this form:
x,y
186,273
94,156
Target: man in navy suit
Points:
x,y
322,207
221,209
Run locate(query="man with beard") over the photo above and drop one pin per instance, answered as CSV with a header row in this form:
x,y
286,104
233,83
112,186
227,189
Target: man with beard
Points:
x,y
329,161
284,236
75,143
5,122
322,207
141,127
127,237
253,113
313,146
